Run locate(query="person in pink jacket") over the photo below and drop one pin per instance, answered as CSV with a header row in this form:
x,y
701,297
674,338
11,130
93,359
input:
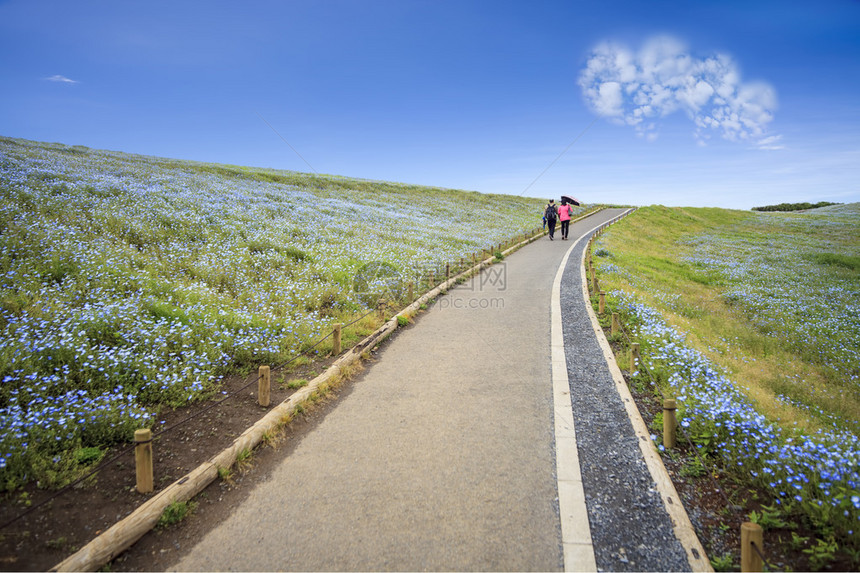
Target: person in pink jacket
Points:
x,y
564,214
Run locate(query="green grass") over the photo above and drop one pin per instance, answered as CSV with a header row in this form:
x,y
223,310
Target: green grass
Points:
x,y
175,512
732,313
297,383
851,263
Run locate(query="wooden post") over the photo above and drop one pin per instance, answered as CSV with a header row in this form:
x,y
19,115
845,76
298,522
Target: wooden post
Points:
x,y
750,559
462,266
602,303
447,272
474,259
616,325
411,293
264,386
669,423
380,309
143,460
634,356
432,279
337,333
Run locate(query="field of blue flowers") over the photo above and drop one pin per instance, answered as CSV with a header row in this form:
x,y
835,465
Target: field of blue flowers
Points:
x,y
797,275
794,279
131,283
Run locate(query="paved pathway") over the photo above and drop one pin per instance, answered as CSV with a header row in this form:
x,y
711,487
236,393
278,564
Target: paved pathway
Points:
x,y
442,456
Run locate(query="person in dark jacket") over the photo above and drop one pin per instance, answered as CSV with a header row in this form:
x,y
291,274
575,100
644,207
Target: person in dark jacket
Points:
x,y
551,215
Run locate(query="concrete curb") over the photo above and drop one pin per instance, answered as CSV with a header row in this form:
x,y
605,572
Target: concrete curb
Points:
x,y
681,523
577,544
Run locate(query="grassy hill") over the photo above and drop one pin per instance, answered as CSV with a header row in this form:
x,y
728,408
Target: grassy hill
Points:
x,y
752,322
130,283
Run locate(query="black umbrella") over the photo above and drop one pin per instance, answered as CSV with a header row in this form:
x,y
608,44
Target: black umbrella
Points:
x,y
571,200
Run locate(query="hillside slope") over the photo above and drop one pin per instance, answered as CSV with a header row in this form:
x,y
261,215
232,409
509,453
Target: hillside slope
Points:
x,y
131,282
751,322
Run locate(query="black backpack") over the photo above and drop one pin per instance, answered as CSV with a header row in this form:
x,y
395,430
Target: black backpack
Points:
x,y
550,213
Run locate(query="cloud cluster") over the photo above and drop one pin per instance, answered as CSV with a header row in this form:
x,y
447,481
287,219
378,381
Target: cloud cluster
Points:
x,y
639,88
61,79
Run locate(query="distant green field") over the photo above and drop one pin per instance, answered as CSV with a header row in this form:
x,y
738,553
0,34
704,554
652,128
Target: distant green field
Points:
x,y
130,283
752,321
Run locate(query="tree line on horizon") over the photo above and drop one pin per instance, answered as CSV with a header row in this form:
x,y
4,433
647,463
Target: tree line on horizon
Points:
x,y
794,206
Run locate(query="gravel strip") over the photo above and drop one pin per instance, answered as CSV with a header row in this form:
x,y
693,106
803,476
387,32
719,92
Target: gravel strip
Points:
x,y
630,527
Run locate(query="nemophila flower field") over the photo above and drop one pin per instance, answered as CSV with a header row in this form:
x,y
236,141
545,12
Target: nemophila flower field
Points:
x,y
752,321
815,475
797,275
131,283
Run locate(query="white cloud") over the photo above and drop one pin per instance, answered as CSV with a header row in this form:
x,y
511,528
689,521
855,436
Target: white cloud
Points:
x,y
61,79
770,143
609,99
663,77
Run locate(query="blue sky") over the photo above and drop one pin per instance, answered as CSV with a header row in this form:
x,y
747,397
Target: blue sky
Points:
x,y
713,103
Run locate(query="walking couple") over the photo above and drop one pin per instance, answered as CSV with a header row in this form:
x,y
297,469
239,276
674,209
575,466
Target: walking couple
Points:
x,y
553,212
